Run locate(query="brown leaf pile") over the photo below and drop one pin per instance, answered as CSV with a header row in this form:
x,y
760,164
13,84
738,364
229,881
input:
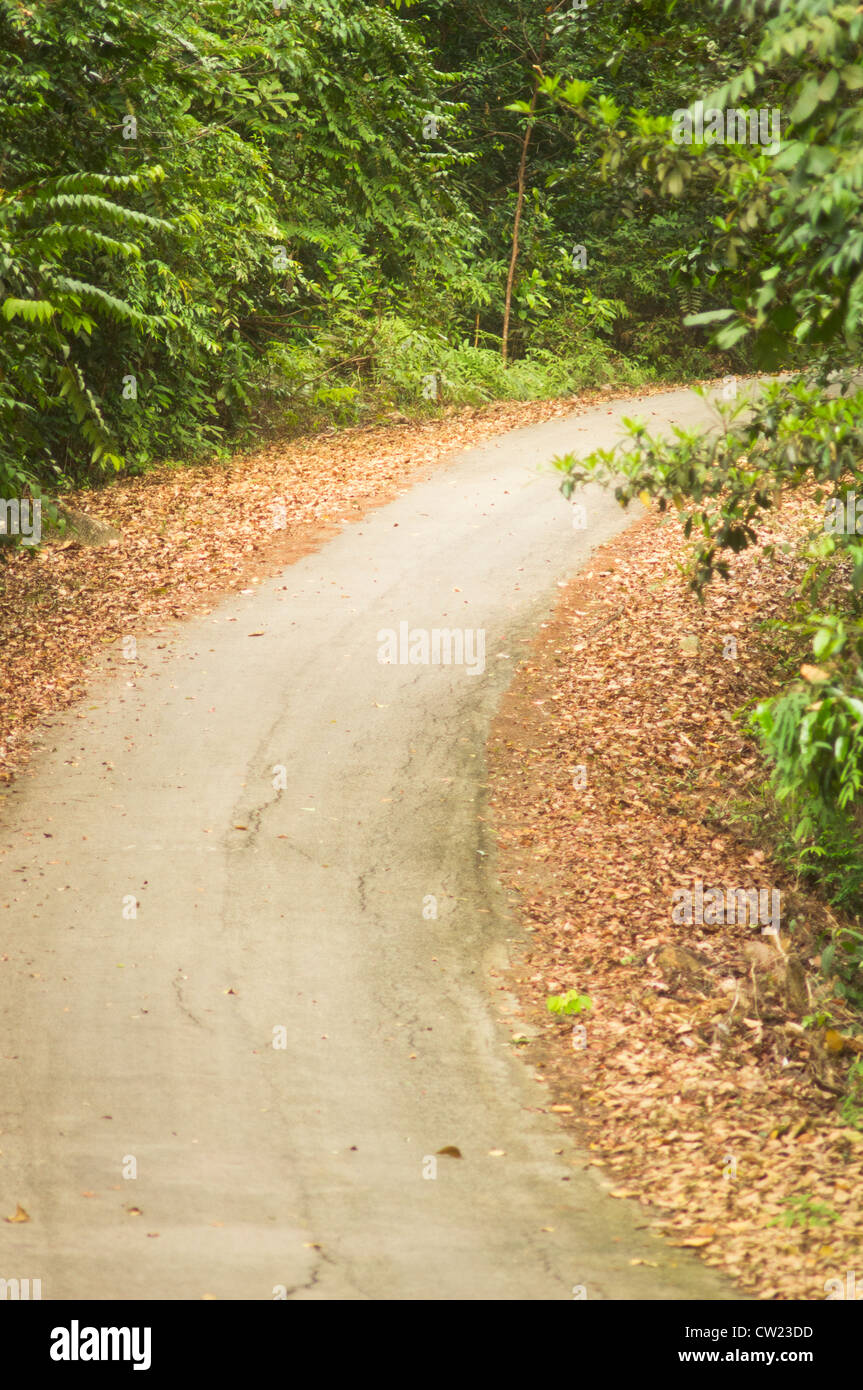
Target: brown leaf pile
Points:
x,y
192,534
693,1075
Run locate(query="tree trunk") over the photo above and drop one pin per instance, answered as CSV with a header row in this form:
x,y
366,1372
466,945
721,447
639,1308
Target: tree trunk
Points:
x,y
516,224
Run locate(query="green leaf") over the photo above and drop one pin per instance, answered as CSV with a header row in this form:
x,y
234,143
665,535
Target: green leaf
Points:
x,y
806,102
32,310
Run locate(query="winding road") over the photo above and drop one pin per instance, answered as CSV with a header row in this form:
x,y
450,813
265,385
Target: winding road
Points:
x,y
250,910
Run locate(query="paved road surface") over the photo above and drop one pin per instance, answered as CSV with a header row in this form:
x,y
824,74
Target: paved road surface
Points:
x,y
152,1039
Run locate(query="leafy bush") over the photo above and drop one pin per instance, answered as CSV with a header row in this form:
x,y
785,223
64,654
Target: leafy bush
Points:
x,y
569,1003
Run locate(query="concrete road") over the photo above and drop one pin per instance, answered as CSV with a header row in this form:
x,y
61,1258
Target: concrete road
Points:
x,y
240,1091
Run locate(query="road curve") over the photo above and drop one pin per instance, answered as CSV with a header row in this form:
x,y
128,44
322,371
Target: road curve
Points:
x,y
237,1093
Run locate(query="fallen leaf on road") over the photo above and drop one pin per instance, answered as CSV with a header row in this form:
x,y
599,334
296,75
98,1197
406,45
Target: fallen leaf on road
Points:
x,y
20,1215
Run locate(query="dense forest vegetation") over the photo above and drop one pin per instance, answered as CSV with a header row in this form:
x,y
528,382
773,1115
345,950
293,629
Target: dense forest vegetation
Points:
x,y
236,215
236,212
